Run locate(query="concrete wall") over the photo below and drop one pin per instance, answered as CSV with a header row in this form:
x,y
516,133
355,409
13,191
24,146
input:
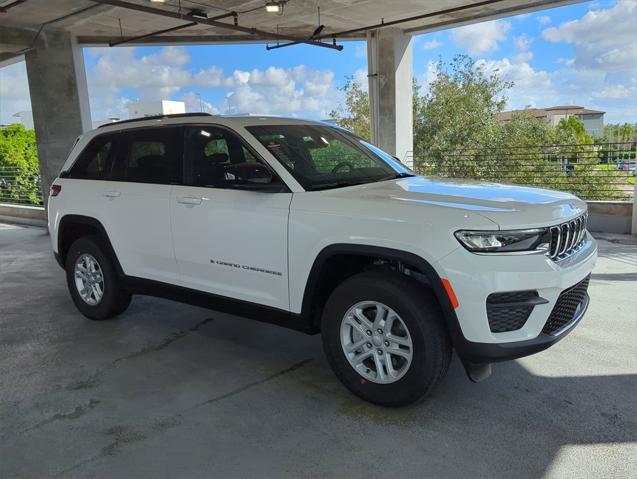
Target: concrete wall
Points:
x,y
24,215
610,216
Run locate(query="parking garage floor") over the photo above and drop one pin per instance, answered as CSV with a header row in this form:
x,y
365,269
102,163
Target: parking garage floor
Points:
x,y
169,390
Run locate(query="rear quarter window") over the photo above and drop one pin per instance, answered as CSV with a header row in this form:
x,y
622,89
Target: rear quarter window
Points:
x,y
96,160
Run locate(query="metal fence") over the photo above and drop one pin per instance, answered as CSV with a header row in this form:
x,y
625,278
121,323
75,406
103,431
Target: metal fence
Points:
x,y
592,172
19,187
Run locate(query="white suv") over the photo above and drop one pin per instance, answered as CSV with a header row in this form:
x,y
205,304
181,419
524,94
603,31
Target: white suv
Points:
x,y
305,225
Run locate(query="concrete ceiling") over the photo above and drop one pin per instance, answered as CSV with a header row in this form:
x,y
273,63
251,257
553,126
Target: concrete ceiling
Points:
x,y
95,23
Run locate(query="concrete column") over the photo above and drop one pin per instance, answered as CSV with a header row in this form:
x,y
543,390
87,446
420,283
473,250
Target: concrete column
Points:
x,y
59,99
390,70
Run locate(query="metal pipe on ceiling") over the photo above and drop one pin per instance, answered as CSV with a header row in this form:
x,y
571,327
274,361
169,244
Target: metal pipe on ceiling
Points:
x,y
168,30
315,36
6,7
218,24
383,24
152,34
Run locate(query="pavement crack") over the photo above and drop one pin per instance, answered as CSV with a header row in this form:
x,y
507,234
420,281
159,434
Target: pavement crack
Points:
x,y
76,413
200,324
164,344
93,380
123,437
271,377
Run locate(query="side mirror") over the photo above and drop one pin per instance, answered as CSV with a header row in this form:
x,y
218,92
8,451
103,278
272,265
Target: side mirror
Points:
x,y
253,177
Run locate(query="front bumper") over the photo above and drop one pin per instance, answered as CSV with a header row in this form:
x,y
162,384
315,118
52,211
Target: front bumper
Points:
x,y
475,277
478,353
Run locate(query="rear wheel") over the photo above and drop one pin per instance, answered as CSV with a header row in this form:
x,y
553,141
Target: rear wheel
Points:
x,y
384,338
92,280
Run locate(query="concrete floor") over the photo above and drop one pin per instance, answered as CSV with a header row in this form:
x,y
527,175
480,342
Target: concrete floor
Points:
x,y
169,390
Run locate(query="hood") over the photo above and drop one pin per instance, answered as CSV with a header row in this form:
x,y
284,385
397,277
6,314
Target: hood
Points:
x,y
510,206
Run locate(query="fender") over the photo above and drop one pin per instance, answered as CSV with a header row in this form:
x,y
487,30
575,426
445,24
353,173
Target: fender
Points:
x,y
93,223
477,371
411,259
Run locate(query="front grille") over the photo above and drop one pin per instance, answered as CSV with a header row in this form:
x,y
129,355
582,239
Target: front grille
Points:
x,y
509,311
567,238
566,307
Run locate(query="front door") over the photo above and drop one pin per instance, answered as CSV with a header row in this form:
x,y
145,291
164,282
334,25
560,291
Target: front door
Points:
x,y
230,220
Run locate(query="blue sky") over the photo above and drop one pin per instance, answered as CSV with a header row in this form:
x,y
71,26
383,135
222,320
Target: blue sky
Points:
x,y
583,54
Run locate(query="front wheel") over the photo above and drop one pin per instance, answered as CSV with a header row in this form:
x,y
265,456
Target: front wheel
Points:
x,y
384,337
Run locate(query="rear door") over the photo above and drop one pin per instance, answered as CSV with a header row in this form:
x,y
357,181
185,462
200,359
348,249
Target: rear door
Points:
x,y
230,220
148,163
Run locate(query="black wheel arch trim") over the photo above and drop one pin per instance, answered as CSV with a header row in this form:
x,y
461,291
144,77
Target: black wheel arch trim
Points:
x,y
411,259
86,221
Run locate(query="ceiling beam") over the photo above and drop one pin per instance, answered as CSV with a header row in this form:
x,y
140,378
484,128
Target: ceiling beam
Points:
x,y
491,15
423,16
218,24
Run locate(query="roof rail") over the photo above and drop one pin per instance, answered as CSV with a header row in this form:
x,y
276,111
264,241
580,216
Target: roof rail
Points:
x,y
155,117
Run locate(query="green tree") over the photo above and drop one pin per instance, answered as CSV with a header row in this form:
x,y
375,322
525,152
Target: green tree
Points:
x,y
354,113
458,113
571,130
19,169
620,132
457,133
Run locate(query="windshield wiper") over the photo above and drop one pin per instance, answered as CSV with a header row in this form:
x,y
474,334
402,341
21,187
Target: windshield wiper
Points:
x,y
396,176
335,184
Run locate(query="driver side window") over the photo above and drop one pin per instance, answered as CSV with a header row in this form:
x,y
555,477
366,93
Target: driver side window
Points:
x,y
217,158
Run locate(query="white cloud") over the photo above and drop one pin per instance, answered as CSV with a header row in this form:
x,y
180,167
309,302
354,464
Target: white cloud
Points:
x,y
195,103
431,45
14,92
616,92
165,74
604,39
544,19
567,85
361,50
531,87
212,77
156,76
430,74
297,91
481,37
523,57
523,44
360,76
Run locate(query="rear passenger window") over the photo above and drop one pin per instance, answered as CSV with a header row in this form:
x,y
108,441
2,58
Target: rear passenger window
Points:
x,y
96,161
150,156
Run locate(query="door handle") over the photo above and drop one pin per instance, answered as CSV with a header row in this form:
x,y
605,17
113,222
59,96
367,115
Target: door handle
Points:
x,y
189,200
111,194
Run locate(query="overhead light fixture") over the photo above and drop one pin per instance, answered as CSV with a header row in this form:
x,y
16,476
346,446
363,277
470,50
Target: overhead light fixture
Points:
x,y
157,1
275,7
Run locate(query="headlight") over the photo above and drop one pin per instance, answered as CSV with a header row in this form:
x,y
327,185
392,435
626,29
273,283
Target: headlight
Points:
x,y
531,240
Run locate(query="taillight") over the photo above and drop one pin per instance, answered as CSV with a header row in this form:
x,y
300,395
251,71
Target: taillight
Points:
x,y
55,190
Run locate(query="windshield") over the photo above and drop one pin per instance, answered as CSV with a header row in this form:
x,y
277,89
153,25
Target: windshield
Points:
x,y
322,157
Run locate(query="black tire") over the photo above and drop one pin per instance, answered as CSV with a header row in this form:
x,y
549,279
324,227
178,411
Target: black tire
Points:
x,y
115,299
421,313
